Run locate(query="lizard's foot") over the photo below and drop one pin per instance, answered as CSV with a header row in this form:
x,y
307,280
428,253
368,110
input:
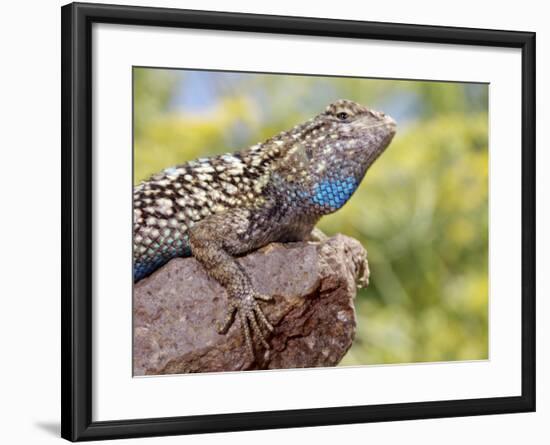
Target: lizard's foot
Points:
x,y
317,235
250,316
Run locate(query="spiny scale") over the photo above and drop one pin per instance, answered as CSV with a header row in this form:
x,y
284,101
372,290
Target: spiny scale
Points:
x,y
168,204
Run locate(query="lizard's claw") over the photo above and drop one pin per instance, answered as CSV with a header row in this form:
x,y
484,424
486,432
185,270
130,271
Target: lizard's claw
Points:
x,y
250,316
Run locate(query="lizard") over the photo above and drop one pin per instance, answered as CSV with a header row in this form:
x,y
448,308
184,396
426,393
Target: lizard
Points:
x,y
218,208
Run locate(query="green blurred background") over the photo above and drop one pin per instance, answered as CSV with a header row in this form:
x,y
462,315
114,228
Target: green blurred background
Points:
x,y
421,211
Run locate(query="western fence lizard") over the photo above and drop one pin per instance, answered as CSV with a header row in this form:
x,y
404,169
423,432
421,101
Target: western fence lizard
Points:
x,y
220,207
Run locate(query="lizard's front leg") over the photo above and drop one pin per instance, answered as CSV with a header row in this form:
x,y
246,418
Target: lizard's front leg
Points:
x,y
214,241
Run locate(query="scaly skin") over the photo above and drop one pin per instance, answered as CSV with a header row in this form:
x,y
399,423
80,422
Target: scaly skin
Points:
x,y
219,207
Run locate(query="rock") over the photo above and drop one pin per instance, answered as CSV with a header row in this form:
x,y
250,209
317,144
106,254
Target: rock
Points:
x,y
314,284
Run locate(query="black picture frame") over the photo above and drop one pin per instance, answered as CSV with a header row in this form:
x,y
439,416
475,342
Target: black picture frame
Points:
x,y
76,248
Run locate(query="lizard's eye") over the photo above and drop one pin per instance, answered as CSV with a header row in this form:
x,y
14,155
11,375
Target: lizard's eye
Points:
x,y
343,116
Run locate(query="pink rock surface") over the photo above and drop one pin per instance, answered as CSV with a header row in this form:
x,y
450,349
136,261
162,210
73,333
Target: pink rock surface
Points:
x,y
314,285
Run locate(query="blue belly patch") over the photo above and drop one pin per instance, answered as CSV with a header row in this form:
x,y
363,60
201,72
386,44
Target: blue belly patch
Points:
x,y
142,269
334,193
146,266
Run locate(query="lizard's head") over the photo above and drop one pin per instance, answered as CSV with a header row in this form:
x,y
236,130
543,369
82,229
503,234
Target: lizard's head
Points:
x,y
332,152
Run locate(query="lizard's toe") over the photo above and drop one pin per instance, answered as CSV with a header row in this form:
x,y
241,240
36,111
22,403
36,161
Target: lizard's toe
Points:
x,y
263,318
252,319
223,327
245,328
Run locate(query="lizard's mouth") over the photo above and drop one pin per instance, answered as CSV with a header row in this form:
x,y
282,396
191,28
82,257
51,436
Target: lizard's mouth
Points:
x,y
387,122
390,123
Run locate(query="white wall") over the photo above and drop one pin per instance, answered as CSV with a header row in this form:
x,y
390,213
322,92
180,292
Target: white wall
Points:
x,y
30,207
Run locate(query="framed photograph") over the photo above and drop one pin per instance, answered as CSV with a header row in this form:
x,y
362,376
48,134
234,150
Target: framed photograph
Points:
x,y
275,222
